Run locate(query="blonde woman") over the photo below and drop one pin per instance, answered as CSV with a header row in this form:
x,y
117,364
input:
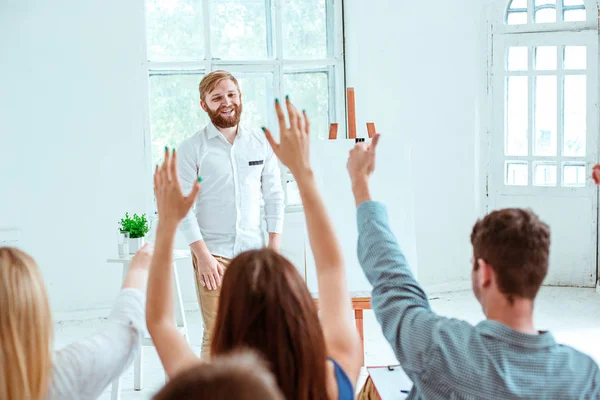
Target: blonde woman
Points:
x,y
29,369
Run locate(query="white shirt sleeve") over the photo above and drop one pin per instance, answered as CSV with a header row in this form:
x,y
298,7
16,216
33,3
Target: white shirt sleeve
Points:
x,y
84,369
273,193
187,167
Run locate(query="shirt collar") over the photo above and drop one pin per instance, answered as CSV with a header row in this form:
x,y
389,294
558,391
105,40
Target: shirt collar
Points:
x,y
212,131
503,333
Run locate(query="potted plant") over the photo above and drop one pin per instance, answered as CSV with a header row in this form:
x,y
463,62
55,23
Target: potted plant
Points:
x,y
137,227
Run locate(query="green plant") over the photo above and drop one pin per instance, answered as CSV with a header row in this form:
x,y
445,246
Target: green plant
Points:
x,y
137,226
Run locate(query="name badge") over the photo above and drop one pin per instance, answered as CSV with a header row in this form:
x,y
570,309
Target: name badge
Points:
x,y
259,162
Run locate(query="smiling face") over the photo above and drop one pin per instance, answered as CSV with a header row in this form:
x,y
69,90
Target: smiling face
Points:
x,y
223,104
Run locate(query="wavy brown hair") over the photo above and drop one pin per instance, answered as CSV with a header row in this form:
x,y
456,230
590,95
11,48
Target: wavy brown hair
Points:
x,y
265,305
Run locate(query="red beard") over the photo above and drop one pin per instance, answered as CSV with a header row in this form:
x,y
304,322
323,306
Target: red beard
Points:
x,y
223,122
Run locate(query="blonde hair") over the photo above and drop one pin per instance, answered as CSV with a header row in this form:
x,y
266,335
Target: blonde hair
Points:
x,y
212,79
25,328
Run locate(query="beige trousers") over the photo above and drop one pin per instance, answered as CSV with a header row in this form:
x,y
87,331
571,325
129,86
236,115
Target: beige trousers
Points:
x,y
209,302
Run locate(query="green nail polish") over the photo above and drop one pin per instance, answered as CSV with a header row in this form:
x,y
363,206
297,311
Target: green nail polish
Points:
x,y
287,96
276,100
199,179
264,129
304,111
166,148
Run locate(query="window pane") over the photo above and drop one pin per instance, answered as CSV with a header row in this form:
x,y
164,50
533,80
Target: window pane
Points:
x,y
518,4
575,111
310,91
238,29
175,112
516,173
545,15
516,116
175,30
574,175
572,3
575,57
544,174
257,99
517,58
516,18
546,103
304,29
545,58
574,15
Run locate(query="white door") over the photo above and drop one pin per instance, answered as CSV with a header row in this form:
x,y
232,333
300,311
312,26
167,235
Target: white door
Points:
x,y
544,141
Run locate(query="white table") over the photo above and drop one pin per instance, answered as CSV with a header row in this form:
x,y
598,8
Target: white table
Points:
x,y
147,341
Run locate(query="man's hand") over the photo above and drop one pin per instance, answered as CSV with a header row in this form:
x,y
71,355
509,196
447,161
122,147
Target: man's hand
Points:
x,y
361,162
275,241
210,271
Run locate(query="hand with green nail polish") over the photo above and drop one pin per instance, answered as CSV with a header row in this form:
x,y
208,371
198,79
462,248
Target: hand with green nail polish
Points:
x,y
293,149
172,205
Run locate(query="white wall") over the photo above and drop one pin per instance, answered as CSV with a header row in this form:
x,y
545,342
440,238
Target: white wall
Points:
x,y
418,70
72,109
73,112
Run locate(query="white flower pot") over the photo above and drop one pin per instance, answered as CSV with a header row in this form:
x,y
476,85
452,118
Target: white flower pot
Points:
x,y
136,244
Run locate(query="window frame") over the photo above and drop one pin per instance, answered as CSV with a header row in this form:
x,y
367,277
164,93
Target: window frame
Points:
x,y
333,65
499,13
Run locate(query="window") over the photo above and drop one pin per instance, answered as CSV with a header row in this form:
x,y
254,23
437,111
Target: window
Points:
x,y
273,47
521,12
543,95
545,112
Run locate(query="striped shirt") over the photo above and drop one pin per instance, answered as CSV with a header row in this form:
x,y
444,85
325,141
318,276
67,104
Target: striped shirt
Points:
x,y
451,359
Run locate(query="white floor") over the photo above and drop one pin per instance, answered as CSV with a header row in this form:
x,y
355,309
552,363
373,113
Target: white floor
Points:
x,y
572,314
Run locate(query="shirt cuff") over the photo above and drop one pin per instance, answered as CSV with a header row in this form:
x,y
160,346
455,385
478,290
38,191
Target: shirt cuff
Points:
x,y
275,225
191,232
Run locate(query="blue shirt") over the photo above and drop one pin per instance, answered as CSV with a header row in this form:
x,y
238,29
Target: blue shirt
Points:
x,y
451,359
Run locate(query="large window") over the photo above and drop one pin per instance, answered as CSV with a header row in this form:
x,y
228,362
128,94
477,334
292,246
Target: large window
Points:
x,y
273,47
543,133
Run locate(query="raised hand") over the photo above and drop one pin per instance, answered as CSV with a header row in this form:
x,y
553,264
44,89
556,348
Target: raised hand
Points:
x,y
293,147
143,256
361,162
172,204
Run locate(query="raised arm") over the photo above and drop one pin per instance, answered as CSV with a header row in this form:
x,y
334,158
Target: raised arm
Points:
x,y
85,368
173,350
399,303
341,337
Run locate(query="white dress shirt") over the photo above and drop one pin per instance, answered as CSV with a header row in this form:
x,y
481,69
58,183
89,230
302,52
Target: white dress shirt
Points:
x,y
235,179
82,370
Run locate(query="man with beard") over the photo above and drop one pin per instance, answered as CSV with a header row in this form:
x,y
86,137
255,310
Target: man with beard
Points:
x,y
237,169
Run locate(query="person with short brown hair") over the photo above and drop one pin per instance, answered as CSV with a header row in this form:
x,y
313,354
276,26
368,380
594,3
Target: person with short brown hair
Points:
x,y
241,375
515,244
503,357
239,172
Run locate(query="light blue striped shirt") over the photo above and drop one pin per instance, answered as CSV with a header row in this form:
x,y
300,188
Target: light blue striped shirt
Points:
x,y
451,359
